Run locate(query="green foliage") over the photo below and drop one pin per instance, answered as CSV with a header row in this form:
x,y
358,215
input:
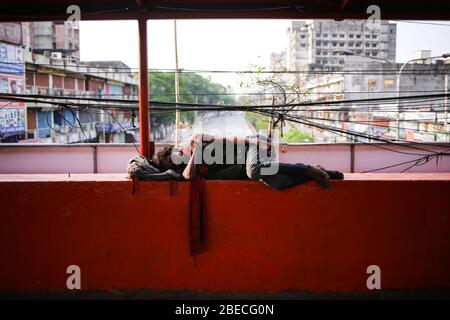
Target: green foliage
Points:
x,y
294,135
193,89
261,124
258,121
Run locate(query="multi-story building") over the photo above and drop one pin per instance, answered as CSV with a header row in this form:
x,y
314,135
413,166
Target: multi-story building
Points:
x,y
420,120
98,80
60,40
42,58
12,114
316,44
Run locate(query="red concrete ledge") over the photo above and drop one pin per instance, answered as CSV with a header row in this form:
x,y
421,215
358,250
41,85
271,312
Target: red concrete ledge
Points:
x,y
258,239
123,177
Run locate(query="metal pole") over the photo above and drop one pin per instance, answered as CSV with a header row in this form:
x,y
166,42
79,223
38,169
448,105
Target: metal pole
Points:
x,y
144,119
177,87
446,137
398,101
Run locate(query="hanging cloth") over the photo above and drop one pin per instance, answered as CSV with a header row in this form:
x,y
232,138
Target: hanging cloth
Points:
x,y
197,212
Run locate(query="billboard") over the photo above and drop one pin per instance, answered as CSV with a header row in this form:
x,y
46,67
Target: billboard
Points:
x,y
11,32
11,60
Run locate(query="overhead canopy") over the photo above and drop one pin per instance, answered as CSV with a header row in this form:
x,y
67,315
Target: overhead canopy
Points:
x,y
29,10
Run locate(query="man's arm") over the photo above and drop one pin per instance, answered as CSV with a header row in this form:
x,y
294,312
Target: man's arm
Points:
x,y
191,170
163,176
202,137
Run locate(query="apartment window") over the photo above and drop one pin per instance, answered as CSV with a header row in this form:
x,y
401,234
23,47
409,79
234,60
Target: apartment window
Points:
x,y
341,61
374,45
374,36
334,35
325,35
367,54
358,44
341,44
358,51
319,61
341,36
324,61
374,54
302,36
367,45
351,44
334,44
372,83
358,36
318,52
324,53
351,36
303,45
317,34
318,43
388,83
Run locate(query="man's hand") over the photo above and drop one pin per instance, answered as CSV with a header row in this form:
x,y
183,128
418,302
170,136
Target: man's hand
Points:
x,y
174,175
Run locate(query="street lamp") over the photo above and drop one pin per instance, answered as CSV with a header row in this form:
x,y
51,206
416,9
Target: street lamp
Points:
x,y
350,53
444,56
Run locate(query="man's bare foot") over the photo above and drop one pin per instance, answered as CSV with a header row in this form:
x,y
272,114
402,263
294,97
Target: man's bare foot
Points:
x,y
333,174
318,175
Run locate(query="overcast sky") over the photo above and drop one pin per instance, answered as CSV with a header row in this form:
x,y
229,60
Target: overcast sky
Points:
x,y
224,44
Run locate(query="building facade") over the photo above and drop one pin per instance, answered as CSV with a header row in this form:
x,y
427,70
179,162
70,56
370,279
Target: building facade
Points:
x,y
12,73
60,40
419,120
316,44
42,58
45,123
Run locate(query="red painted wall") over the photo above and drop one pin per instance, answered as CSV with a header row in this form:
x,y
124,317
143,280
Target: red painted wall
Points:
x,y
259,239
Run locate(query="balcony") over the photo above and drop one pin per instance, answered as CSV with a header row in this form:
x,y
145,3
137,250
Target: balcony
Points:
x,y
28,158
302,240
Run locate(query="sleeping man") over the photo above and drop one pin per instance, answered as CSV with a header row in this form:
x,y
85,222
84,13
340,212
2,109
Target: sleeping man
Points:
x,y
228,158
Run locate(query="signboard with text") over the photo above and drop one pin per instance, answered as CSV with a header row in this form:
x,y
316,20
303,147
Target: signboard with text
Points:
x,y
12,74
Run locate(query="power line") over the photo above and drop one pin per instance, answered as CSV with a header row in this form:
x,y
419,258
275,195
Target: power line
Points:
x,y
18,97
422,22
107,69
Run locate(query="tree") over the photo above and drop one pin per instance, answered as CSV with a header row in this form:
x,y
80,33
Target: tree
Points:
x,y
277,88
193,89
294,135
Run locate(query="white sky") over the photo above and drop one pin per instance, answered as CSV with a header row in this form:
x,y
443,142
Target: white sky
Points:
x,y
223,44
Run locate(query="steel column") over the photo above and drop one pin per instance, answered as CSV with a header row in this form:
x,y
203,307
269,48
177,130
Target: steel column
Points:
x,y
144,119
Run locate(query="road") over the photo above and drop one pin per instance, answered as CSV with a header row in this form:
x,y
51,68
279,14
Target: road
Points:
x,y
220,124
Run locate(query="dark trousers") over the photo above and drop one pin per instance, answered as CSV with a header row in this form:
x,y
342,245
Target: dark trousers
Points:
x,y
261,166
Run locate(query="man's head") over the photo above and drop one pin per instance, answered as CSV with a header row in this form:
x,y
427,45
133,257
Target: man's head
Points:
x,y
170,158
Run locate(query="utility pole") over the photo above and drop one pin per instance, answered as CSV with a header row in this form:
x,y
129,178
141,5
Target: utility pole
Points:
x,y
144,112
446,127
177,87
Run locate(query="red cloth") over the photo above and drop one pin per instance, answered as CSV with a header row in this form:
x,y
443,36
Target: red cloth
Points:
x,y
197,212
